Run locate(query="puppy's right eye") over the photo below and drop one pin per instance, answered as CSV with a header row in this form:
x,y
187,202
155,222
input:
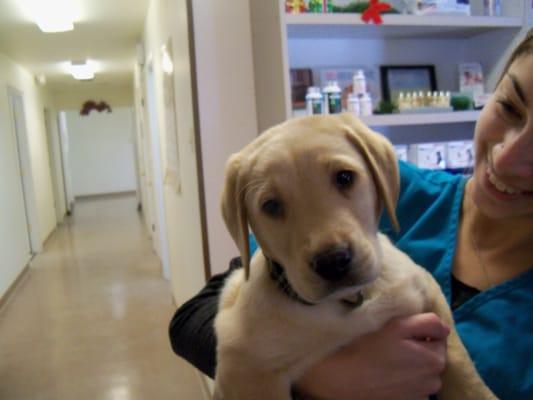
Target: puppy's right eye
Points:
x,y
272,208
344,179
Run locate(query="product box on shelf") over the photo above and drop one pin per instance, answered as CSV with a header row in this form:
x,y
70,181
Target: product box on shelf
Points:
x,y
428,155
460,154
401,152
443,7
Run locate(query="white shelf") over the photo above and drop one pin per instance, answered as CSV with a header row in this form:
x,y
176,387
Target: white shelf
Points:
x,y
421,119
347,25
413,119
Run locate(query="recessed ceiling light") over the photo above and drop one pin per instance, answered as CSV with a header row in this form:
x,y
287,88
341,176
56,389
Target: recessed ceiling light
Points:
x,y
53,25
82,70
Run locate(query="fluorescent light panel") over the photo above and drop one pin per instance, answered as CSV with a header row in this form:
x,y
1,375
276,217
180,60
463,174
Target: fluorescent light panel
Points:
x,y
53,25
82,70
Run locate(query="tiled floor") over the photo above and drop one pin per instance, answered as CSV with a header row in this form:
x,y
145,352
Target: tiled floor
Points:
x,y
90,319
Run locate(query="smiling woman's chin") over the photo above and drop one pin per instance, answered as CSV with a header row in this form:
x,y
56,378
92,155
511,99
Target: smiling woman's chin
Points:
x,y
496,204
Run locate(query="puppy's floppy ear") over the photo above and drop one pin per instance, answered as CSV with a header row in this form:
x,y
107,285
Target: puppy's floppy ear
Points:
x,y
234,208
381,159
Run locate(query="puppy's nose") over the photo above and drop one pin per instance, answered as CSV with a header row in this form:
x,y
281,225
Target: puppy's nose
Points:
x,y
332,264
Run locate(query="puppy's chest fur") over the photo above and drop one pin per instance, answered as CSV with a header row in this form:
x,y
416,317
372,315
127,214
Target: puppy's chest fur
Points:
x,y
258,322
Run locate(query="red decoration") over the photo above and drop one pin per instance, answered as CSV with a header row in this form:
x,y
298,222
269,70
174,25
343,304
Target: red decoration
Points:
x,y
90,105
373,11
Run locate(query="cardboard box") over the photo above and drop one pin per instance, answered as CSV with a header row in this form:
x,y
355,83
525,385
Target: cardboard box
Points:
x,y
460,154
428,155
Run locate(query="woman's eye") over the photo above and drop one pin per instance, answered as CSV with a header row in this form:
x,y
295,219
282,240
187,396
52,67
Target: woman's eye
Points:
x,y
273,208
344,179
510,110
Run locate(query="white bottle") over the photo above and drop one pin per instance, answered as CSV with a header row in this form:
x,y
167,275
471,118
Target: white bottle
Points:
x,y
366,104
332,98
359,82
354,105
314,101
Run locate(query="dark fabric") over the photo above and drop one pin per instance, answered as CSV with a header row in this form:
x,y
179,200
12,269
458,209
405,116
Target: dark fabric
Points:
x,y
461,292
191,330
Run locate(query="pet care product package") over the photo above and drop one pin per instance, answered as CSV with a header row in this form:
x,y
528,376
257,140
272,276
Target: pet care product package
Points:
x,y
314,101
428,155
443,7
460,154
333,98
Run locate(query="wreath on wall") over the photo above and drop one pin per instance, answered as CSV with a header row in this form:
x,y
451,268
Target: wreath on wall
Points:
x,y
90,105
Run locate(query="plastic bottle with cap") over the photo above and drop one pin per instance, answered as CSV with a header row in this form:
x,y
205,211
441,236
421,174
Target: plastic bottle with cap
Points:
x,y
354,105
314,101
366,104
359,82
333,98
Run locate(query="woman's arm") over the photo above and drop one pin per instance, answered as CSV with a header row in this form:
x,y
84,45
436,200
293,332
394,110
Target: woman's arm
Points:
x,y
191,330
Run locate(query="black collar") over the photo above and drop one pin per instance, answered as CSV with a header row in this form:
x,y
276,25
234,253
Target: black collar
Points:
x,y
277,273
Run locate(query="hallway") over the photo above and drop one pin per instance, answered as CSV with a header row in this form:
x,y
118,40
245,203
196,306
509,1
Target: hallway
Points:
x,y
89,321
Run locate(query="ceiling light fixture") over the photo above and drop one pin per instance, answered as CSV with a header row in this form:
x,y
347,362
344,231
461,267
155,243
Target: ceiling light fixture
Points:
x,y
53,25
82,70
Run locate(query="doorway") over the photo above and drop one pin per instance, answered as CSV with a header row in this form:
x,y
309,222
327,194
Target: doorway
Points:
x,y
16,104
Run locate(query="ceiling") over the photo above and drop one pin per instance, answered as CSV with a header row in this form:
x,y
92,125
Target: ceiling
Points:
x,y
105,31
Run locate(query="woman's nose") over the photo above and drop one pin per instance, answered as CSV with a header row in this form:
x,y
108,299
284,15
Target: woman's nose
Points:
x,y
514,156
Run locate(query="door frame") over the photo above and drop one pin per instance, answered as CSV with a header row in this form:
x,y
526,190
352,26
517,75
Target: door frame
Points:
x,y
160,234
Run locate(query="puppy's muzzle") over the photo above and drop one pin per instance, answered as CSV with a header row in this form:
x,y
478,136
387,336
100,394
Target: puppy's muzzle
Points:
x,y
333,264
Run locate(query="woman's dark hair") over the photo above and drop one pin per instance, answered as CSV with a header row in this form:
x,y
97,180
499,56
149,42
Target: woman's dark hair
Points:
x,y
523,48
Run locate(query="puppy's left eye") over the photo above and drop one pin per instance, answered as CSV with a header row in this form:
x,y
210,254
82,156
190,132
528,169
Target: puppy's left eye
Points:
x,y
273,208
344,179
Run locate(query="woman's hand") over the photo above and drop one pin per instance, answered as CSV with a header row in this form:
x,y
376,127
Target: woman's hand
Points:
x,y
402,361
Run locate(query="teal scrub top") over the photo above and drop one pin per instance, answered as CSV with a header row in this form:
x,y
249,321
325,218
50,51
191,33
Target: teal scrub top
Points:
x,y
495,325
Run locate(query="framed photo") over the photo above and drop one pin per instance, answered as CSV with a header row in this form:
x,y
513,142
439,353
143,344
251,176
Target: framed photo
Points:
x,y
471,78
301,79
406,78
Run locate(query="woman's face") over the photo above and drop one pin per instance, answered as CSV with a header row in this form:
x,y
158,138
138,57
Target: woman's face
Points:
x,y
503,177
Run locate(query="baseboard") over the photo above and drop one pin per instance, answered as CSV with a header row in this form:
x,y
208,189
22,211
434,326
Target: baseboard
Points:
x,y
16,283
104,195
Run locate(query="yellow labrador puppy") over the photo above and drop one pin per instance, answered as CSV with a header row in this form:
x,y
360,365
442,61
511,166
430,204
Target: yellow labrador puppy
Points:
x,y
312,190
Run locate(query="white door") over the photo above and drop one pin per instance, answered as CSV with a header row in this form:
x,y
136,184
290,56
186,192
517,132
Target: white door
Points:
x,y
56,169
160,234
16,104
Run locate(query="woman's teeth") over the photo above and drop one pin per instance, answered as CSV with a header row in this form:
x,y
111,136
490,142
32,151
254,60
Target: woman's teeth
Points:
x,y
502,187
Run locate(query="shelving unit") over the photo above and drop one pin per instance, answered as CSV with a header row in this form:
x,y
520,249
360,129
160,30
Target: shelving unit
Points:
x,y
283,41
421,119
394,26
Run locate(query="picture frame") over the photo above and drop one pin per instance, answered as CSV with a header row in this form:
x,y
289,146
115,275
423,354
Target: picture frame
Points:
x,y
406,78
301,79
471,78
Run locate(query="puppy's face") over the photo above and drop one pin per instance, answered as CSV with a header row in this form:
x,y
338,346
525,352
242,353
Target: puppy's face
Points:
x,y
311,199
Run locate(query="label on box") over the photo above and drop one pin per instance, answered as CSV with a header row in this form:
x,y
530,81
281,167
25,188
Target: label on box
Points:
x,y
430,155
401,152
460,154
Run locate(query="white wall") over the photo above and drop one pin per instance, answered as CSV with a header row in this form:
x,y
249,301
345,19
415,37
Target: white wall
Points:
x,y
13,241
226,97
168,18
101,152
